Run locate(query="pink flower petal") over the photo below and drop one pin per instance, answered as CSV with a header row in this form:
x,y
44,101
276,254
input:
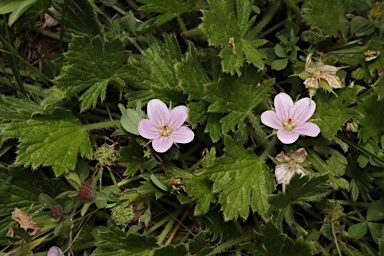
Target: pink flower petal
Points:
x,y
287,137
55,251
148,129
162,144
177,116
183,135
303,110
270,119
299,155
282,157
157,111
309,129
283,103
281,173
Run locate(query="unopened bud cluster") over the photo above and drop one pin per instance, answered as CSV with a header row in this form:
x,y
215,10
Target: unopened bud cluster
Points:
x,y
122,216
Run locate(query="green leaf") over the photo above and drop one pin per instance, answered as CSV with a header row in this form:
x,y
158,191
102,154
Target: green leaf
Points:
x,y
275,243
301,190
332,112
328,15
171,250
118,243
200,189
193,77
225,24
334,165
50,141
155,73
357,231
17,7
17,108
237,96
375,210
21,188
376,230
242,180
279,64
130,120
360,181
81,17
371,124
170,9
92,64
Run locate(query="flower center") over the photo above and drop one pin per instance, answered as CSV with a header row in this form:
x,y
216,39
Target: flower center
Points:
x,y
289,124
165,130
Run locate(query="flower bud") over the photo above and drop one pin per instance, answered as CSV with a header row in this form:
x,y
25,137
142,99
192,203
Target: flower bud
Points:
x,y
86,193
56,212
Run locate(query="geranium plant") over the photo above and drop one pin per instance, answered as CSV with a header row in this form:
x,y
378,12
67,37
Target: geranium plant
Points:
x,y
191,127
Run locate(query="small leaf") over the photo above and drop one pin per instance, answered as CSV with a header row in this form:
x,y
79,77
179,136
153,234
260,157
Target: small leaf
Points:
x,y
130,121
357,231
158,183
375,210
279,64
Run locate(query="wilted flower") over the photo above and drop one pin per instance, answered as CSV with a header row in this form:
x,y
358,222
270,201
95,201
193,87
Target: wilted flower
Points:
x,y
320,75
165,127
55,251
290,119
290,164
50,21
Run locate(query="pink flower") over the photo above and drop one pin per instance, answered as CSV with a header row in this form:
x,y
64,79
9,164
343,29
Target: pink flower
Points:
x,y
290,119
55,251
164,127
290,164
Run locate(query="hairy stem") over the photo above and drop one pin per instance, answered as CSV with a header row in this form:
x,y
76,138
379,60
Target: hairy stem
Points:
x,y
230,244
266,19
101,125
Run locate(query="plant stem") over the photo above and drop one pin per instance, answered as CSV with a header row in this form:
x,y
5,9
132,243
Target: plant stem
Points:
x,y
266,19
101,125
260,135
50,34
268,149
181,23
169,225
174,231
335,238
230,244
270,30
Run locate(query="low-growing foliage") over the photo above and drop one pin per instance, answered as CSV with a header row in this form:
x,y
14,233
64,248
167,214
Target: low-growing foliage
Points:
x,y
191,127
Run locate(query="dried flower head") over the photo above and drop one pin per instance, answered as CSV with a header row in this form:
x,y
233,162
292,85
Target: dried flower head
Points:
x,y
289,165
320,75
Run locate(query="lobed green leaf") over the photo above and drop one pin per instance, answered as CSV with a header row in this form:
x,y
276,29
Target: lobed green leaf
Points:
x,y
242,181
